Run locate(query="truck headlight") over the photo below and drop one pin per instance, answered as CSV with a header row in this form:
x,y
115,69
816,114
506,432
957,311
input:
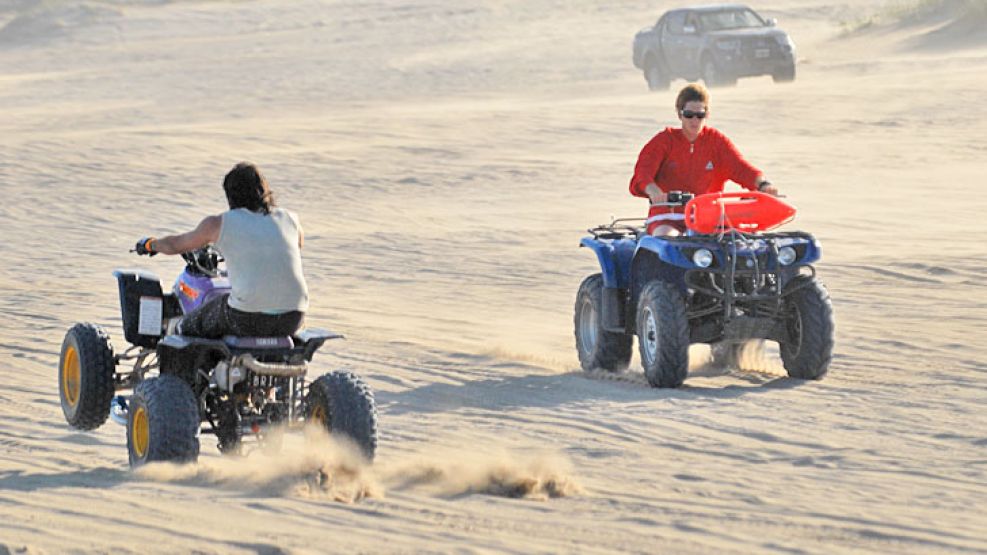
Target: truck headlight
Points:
x,y
786,255
703,258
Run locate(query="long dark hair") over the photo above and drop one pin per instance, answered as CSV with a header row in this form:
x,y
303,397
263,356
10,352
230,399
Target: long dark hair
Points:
x,y
246,188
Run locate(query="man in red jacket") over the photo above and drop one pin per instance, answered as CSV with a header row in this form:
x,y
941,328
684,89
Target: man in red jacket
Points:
x,y
694,159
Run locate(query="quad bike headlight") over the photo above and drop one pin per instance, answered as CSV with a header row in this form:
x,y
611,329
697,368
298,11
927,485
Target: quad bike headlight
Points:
x,y
702,258
786,255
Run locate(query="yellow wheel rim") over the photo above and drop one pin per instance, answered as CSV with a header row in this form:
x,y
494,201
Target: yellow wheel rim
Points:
x,y
140,433
319,414
71,376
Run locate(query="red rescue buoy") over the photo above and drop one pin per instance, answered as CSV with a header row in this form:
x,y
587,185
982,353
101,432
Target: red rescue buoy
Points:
x,y
748,212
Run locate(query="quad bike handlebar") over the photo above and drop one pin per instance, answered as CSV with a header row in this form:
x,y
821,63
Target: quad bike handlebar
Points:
x,y
204,260
143,247
675,198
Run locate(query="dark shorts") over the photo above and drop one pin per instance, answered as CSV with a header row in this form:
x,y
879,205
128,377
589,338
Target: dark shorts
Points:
x,y
217,318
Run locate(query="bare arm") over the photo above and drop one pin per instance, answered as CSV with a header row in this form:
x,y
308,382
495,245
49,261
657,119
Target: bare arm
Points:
x,y
654,193
206,232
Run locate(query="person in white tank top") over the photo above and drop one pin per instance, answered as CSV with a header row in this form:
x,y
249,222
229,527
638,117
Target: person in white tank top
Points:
x,y
262,247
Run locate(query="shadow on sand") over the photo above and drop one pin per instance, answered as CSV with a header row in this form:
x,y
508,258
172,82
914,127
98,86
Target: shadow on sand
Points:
x,y
17,480
550,390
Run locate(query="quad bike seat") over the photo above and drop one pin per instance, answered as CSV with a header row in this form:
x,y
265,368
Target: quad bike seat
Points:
x,y
303,343
268,349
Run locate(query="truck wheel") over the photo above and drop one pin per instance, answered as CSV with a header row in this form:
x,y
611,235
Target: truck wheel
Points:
x,y
85,376
663,334
162,422
344,405
597,347
785,74
656,76
810,324
746,355
713,76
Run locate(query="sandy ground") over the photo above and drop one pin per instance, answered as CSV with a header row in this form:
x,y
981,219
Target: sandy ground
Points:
x,y
445,158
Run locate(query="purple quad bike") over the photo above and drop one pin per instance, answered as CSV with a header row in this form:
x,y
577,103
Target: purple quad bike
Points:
x,y
236,388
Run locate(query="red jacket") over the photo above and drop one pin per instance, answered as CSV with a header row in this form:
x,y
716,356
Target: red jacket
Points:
x,y
674,164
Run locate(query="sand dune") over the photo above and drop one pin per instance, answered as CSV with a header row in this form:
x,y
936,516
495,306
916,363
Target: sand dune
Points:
x,y
445,159
936,25
49,21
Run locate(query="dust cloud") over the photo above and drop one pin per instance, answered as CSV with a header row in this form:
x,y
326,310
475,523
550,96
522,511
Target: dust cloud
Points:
x,y
321,466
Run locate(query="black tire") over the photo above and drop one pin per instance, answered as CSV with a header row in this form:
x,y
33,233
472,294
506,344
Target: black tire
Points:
x,y
811,329
714,76
345,406
163,422
663,334
784,75
598,348
656,75
744,355
86,376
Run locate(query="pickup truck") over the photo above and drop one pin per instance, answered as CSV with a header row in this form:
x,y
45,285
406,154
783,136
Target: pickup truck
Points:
x,y
717,43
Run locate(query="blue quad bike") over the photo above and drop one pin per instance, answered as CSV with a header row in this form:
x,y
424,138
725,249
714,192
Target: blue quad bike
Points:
x,y
731,285
239,389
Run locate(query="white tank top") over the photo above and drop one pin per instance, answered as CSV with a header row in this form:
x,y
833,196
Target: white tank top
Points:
x,y
263,260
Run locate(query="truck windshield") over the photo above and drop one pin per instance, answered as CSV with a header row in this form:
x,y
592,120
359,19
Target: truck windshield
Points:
x,y
730,19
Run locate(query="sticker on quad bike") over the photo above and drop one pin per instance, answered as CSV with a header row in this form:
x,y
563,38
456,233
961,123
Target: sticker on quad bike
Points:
x,y
149,321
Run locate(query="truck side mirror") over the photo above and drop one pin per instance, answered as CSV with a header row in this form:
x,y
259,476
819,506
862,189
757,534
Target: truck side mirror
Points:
x,y
772,22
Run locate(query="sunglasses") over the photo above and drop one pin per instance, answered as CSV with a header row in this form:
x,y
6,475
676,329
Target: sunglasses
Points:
x,y
689,114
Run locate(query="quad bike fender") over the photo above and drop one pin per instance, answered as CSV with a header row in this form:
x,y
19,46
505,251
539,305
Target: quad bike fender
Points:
x,y
678,252
809,250
664,250
615,258
313,338
179,354
188,343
